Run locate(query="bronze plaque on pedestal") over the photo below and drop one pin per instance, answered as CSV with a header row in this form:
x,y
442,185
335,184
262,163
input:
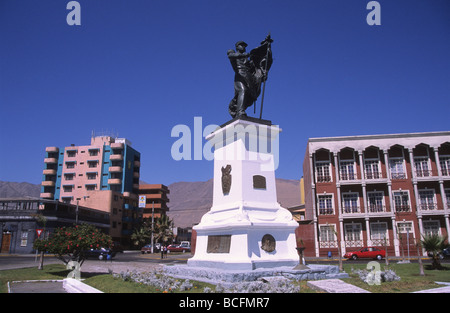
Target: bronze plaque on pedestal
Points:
x,y
218,244
268,243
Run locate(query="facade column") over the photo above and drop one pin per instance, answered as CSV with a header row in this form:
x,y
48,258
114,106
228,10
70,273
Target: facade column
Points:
x,y
369,241
341,225
413,167
447,224
313,201
361,165
436,157
316,238
338,184
396,242
419,219
386,164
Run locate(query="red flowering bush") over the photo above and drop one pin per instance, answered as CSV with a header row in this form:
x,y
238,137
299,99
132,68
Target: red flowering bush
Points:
x,y
70,243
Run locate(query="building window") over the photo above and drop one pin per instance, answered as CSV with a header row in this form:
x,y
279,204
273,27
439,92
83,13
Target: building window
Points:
x,y
397,168
431,227
353,235
68,188
92,164
422,167
427,200
371,168
325,204
447,197
323,172
327,236
350,203
401,201
93,152
66,199
378,234
444,162
24,239
405,227
375,201
90,187
71,153
347,170
70,164
68,176
91,175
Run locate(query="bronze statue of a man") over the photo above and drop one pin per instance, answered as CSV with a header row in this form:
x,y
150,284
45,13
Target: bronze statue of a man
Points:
x,y
250,71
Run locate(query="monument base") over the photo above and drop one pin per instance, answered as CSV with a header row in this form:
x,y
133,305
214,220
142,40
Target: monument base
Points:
x,y
222,276
246,246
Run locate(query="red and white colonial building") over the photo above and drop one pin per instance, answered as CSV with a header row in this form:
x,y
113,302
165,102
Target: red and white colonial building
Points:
x,y
376,190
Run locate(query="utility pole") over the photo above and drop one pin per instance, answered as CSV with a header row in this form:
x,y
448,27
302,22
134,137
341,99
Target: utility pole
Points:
x,y
153,211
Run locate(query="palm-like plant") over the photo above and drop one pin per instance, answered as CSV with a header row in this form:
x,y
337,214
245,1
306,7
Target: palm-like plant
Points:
x,y
434,244
141,236
163,229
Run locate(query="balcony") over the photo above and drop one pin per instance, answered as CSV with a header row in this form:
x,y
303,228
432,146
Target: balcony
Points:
x,y
116,157
49,172
48,183
376,208
351,209
425,174
137,164
114,181
402,208
50,160
47,195
52,149
349,178
323,178
372,176
115,169
117,145
429,208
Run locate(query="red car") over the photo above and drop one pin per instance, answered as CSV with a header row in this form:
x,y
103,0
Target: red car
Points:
x,y
178,248
369,252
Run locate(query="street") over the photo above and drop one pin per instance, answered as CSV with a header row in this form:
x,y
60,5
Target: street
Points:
x,y
12,261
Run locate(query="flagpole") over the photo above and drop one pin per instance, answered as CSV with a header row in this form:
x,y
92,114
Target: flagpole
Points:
x,y
265,78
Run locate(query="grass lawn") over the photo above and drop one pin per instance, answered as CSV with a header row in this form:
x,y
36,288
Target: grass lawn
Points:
x,y
409,273
50,271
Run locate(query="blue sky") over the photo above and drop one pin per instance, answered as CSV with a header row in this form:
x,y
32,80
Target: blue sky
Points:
x,y
141,67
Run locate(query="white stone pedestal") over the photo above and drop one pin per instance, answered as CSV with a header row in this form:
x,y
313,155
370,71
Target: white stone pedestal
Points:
x,y
246,228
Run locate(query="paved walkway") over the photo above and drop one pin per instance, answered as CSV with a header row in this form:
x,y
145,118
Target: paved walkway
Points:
x,y
334,286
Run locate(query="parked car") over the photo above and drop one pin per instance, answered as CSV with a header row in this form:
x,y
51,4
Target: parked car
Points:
x,y
367,252
117,247
178,248
148,248
445,254
101,253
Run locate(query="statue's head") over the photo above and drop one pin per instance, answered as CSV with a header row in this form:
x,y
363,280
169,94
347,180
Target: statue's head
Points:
x,y
241,45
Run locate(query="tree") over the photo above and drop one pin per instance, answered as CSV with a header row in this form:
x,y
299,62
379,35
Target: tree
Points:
x,y
143,234
41,220
419,259
163,229
70,243
434,244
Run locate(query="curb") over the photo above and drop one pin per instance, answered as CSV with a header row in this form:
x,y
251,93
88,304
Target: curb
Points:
x,y
75,286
